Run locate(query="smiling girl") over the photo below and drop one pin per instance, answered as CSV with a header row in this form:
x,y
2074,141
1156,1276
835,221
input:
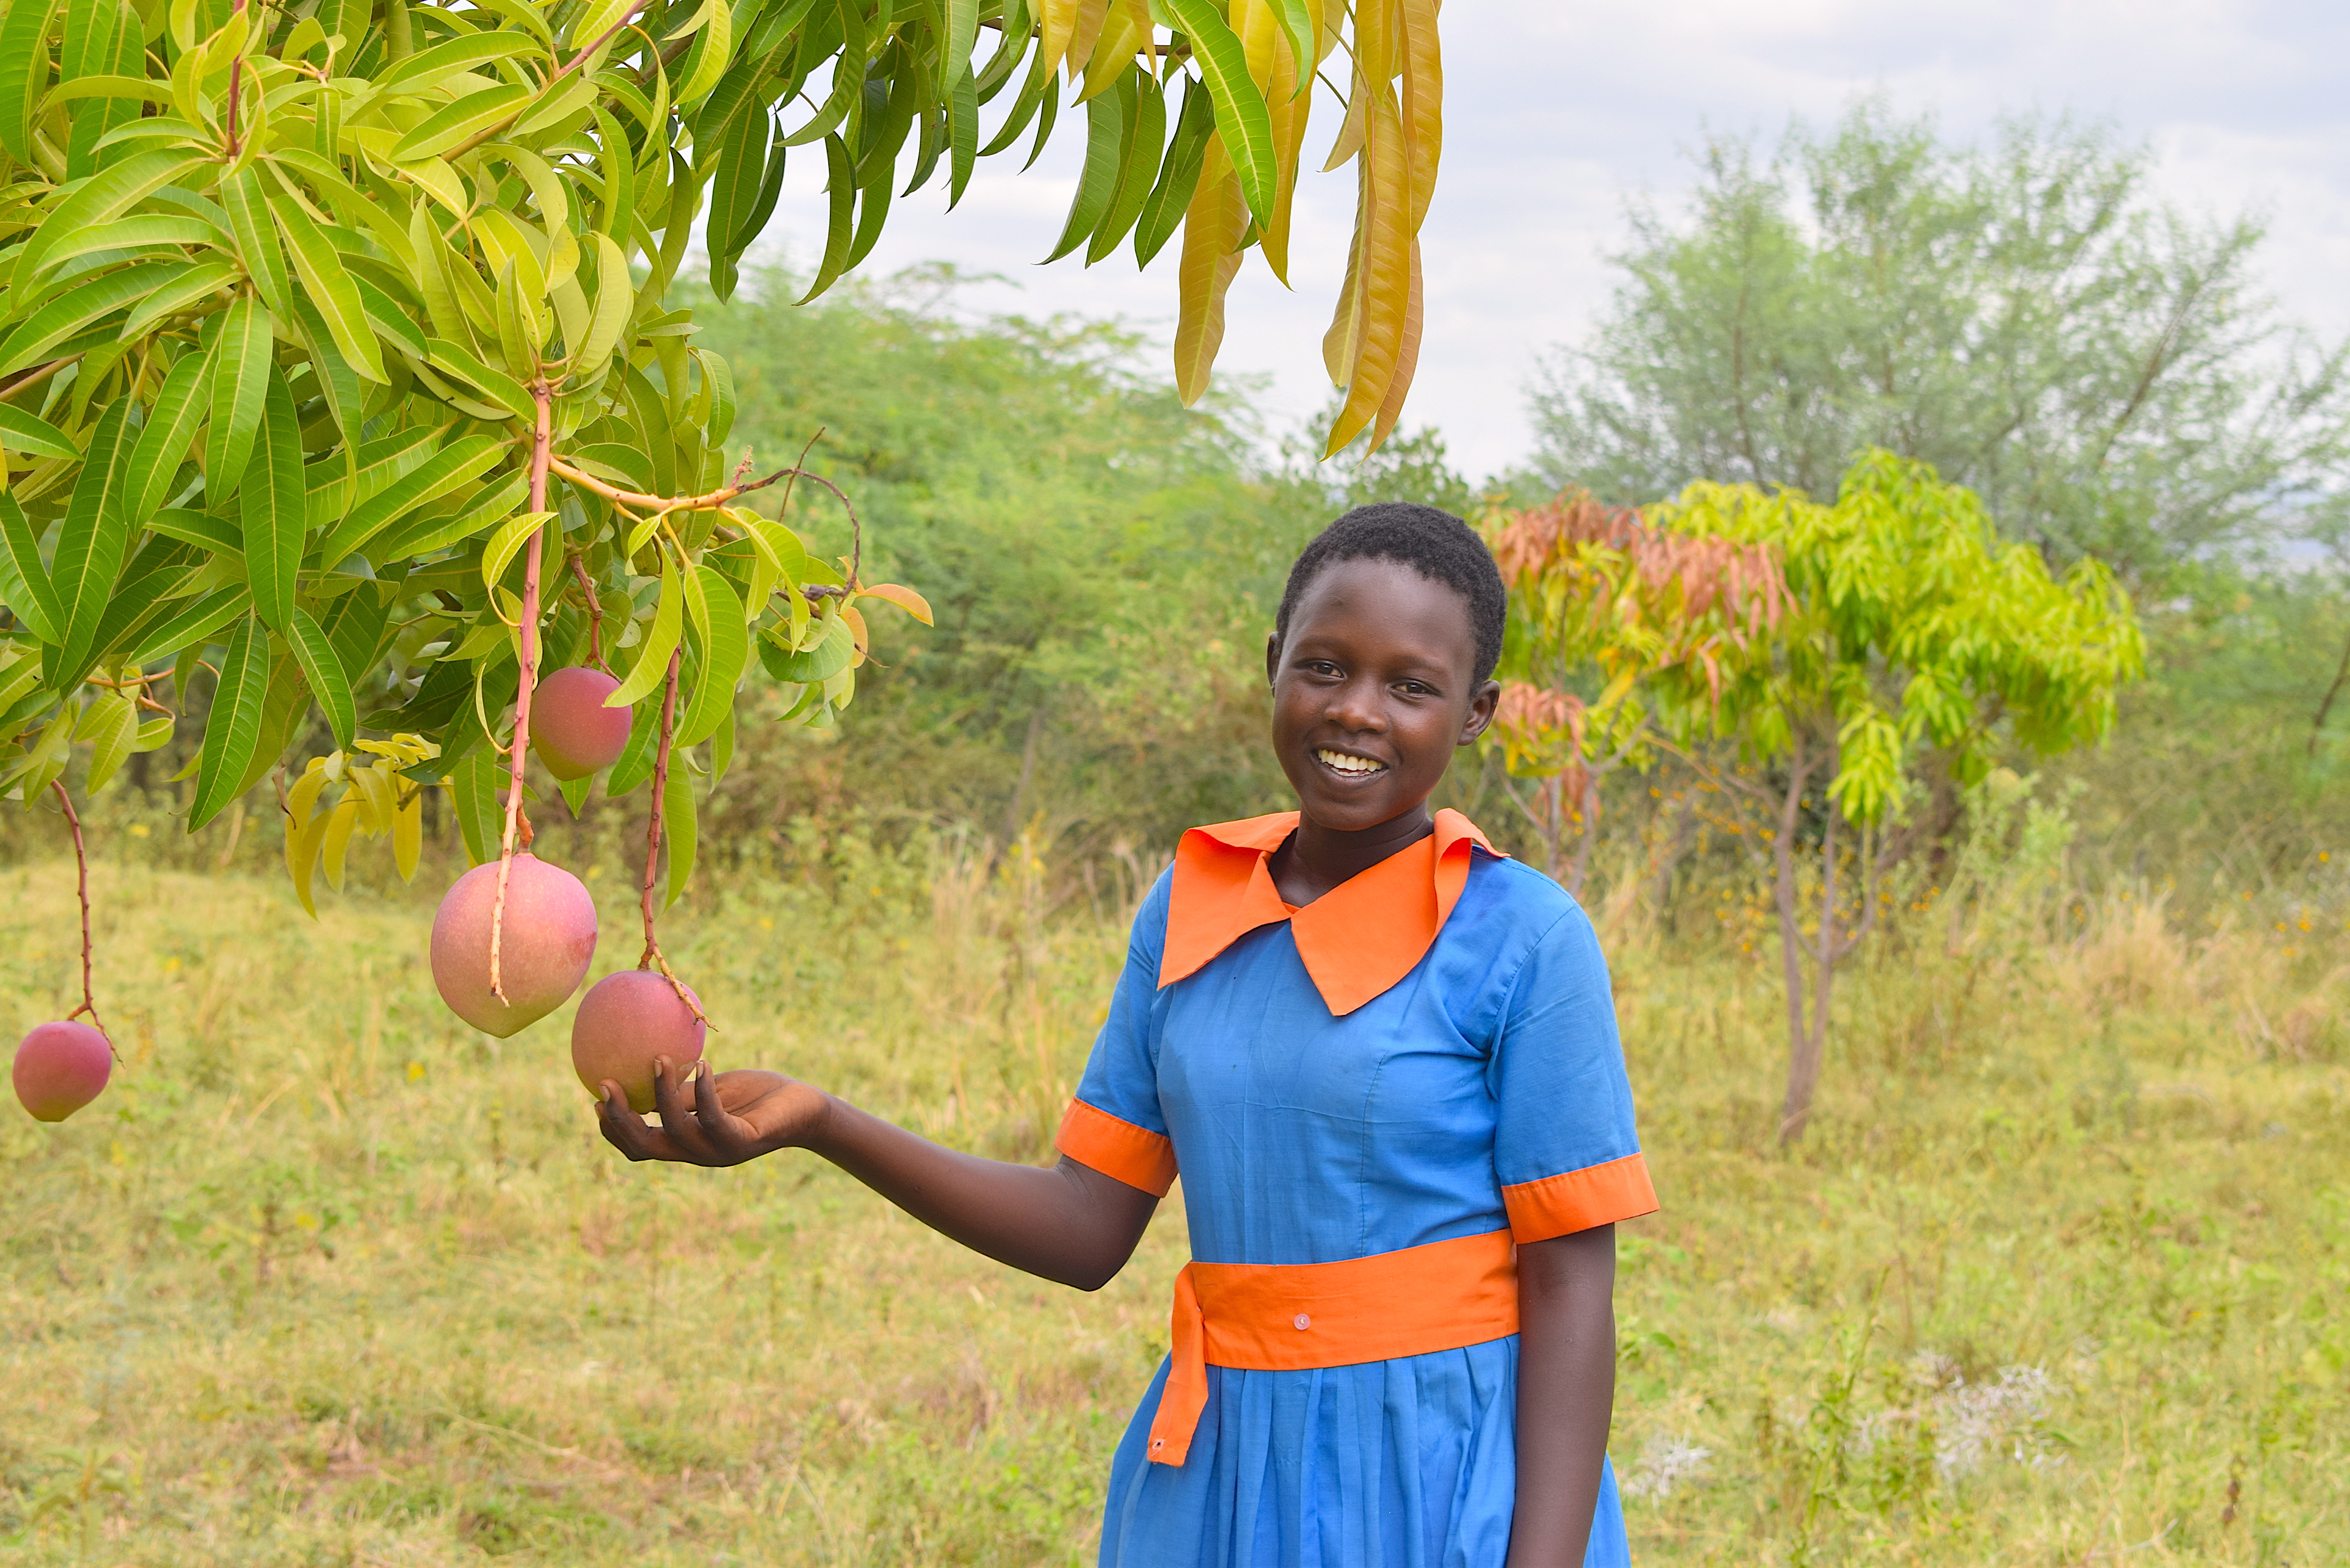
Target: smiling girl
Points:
x,y
1383,1059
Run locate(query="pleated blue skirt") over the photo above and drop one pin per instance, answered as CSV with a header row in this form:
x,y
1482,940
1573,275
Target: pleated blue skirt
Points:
x,y
1410,1463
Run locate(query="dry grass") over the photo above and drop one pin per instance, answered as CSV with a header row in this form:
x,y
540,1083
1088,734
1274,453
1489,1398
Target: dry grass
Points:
x,y
327,1279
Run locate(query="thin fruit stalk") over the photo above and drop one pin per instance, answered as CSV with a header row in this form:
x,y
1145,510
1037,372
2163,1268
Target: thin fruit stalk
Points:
x,y
518,833
81,885
651,957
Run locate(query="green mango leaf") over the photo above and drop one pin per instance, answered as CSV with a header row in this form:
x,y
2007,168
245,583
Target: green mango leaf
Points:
x,y
329,287
233,729
660,641
1146,134
25,582
111,726
1242,117
725,648
172,425
445,473
93,535
78,307
324,671
1109,121
21,432
24,72
635,764
192,627
257,240
189,285
474,791
274,507
477,114
242,365
108,194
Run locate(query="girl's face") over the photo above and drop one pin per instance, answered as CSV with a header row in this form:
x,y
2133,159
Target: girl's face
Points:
x,y
1372,693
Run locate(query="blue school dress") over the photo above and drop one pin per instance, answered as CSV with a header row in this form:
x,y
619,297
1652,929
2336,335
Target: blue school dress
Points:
x,y
1368,1099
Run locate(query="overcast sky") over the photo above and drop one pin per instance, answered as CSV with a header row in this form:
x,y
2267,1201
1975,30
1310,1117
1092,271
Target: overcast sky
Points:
x,y
1558,110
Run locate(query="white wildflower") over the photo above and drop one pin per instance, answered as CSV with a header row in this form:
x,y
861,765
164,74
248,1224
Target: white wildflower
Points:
x,y
1664,1463
1974,1421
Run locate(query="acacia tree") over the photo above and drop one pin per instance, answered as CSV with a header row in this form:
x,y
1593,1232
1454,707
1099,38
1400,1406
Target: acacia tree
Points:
x,y
337,371
2104,369
1906,629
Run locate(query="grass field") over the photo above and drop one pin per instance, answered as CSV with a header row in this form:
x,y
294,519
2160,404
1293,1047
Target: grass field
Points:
x,y
2059,1276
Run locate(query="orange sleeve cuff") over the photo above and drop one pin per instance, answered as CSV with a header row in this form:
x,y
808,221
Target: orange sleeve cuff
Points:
x,y
1118,1150
1580,1200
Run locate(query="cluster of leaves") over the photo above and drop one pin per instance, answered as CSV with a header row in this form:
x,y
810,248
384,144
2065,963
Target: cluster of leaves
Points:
x,y
1907,626
1603,593
337,359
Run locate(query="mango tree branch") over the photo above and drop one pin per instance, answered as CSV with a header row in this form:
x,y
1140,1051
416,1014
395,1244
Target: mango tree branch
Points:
x,y
661,506
81,876
518,829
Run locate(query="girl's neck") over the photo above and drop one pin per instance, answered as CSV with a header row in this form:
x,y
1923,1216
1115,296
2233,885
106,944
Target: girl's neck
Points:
x,y
1316,858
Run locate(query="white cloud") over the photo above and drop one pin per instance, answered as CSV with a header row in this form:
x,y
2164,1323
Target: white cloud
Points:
x,y
1556,112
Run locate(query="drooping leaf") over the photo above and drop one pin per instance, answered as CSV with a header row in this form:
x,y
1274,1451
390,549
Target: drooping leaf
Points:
x,y
660,640
725,647
329,287
173,424
240,377
25,583
93,538
233,729
273,508
1241,119
324,671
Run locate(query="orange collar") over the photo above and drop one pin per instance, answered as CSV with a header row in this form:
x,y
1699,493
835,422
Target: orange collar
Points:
x,y
1356,940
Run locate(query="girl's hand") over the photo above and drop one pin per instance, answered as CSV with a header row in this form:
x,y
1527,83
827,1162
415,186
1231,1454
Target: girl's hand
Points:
x,y
723,1120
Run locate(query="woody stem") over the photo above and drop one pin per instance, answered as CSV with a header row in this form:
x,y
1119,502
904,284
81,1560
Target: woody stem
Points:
x,y
81,883
595,615
518,833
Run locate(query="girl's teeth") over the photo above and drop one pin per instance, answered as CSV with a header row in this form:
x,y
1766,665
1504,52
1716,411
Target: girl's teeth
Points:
x,y
1347,764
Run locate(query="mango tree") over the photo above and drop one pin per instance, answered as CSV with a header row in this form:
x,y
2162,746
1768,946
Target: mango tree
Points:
x,y
340,377
1906,629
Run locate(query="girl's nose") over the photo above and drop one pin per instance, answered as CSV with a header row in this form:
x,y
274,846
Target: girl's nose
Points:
x,y
1355,706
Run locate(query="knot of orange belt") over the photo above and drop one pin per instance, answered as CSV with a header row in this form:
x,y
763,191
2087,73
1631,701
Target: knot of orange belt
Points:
x,y
1272,1317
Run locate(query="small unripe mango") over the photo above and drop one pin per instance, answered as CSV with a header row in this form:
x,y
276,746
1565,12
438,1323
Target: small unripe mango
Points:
x,y
623,1023
570,729
546,938
60,1068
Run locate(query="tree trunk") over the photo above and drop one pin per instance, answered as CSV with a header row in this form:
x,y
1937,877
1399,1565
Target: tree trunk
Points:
x,y
1012,818
1810,1045
1587,809
1803,1060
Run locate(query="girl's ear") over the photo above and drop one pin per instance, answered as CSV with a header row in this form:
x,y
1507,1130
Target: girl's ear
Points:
x,y
1273,659
1480,711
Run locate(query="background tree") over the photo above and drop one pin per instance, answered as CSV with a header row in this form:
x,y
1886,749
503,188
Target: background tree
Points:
x,y
1602,603
2099,367
1906,628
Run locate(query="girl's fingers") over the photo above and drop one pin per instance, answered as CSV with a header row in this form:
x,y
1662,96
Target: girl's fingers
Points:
x,y
717,1127
680,1126
622,1128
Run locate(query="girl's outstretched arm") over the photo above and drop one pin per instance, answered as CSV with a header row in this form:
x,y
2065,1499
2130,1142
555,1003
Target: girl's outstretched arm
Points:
x,y
1069,1223
1567,1392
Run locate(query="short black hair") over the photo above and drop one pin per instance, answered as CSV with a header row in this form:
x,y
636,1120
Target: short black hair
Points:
x,y
1431,542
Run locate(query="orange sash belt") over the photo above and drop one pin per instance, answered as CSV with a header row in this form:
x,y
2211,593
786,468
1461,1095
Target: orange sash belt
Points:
x,y
1273,1317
